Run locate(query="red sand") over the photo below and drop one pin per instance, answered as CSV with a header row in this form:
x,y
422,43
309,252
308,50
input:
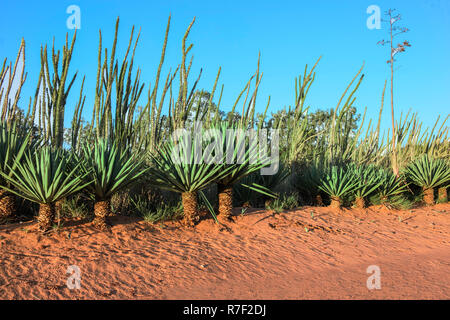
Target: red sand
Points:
x,y
260,256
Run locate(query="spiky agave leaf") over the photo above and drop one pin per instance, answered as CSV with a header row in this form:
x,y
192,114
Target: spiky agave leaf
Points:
x,y
176,166
244,194
261,184
274,180
240,161
390,185
366,178
13,143
338,182
45,176
110,167
428,172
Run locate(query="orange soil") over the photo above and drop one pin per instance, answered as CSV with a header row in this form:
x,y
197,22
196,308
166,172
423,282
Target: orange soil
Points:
x,y
260,255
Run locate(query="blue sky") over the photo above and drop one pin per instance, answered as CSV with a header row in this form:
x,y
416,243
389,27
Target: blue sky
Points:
x,y
289,34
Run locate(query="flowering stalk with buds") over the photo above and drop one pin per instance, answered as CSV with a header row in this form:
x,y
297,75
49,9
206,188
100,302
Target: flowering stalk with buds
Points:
x,y
394,31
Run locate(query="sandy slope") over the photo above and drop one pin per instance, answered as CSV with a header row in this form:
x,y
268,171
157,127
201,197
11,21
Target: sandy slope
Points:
x,y
311,253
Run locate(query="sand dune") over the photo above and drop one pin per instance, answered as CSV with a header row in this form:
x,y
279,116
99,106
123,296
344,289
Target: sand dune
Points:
x,y
312,253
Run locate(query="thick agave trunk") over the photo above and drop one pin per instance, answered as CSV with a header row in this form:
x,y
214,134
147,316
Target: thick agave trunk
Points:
x,y
7,204
336,202
101,211
46,216
225,195
190,208
442,195
428,196
360,203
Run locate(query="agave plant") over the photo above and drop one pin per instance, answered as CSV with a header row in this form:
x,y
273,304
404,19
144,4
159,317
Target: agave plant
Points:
x,y
337,183
255,187
178,167
13,143
110,169
45,177
428,173
240,162
265,184
367,182
390,185
242,194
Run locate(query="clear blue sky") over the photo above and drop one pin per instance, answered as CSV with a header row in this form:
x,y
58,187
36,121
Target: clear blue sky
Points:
x,y
230,34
